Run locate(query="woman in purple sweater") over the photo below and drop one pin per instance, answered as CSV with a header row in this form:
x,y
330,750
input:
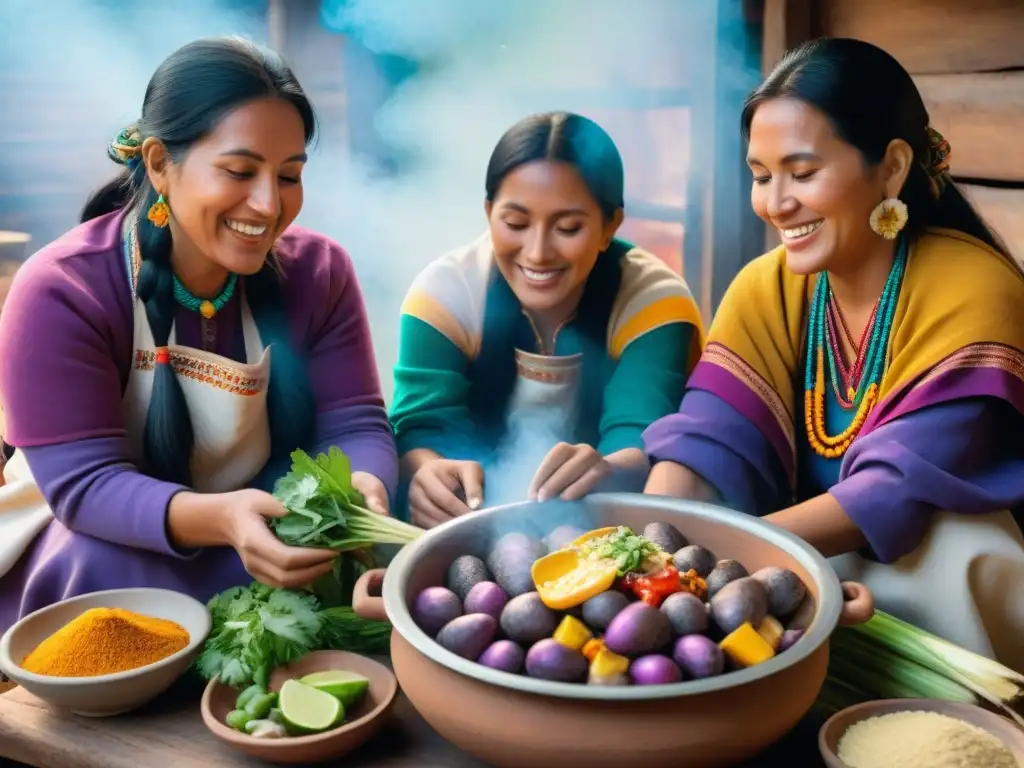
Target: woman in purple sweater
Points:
x,y
159,362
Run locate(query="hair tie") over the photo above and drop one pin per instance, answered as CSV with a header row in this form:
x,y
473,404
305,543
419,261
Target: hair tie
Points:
x,y
126,147
162,356
939,154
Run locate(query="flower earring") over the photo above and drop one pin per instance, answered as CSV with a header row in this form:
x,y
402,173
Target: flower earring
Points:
x,y
889,218
159,213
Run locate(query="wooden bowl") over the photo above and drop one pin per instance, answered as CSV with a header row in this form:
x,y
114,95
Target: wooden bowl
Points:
x,y
515,721
362,723
105,695
834,728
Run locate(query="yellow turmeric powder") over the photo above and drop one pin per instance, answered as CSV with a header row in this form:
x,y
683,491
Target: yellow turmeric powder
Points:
x,y
103,641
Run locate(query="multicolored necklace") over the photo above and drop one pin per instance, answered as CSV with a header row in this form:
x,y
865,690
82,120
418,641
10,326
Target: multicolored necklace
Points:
x,y
858,387
205,307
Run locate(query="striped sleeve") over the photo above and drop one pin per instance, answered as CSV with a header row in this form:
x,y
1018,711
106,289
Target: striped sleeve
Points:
x,y
651,296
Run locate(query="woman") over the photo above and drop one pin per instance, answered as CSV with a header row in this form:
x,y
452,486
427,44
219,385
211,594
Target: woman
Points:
x,y
583,338
868,374
159,362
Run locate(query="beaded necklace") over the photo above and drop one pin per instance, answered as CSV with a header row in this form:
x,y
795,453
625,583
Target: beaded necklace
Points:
x,y
205,307
864,379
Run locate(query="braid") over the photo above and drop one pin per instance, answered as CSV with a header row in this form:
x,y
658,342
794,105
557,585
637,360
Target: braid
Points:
x,y
168,438
290,405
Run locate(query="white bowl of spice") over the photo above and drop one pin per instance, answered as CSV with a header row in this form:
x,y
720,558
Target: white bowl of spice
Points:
x,y
105,653
920,733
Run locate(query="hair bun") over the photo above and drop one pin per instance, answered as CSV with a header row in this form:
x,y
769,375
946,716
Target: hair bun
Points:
x,y
126,147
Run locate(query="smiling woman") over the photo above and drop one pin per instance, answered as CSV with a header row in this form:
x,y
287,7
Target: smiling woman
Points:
x,y
863,384
161,361
546,321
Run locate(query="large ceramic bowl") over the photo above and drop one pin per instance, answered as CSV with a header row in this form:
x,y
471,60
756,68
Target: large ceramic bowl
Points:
x,y
105,695
512,720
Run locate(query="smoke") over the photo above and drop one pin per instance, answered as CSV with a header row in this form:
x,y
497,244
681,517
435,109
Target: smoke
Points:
x,y
82,67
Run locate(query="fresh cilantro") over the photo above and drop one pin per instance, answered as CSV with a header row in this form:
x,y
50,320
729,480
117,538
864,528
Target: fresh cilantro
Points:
x,y
256,629
627,549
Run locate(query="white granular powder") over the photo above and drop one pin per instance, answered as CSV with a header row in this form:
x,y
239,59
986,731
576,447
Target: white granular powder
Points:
x,y
922,740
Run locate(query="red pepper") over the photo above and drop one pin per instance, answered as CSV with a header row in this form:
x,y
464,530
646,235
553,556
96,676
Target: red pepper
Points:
x,y
653,588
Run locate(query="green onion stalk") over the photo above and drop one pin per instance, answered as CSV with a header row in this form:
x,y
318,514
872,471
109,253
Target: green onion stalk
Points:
x,y
889,658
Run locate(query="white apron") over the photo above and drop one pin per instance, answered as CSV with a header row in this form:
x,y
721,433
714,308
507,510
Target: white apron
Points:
x,y
226,401
965,583
542,412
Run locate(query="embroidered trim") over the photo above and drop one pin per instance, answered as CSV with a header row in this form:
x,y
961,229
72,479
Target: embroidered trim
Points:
x,y
548,368
980,355
227,379
723,357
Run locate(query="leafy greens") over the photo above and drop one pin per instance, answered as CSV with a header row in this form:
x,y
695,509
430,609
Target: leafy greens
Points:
x,y
257,629
325,510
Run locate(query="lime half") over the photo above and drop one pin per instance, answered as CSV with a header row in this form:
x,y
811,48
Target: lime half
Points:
x,y
307,709
348,687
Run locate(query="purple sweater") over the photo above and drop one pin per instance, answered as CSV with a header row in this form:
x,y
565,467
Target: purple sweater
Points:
x,y
65,353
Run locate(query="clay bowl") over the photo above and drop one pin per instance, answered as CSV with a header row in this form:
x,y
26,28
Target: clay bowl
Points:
x,y
361,723
105,695
834,728
513,720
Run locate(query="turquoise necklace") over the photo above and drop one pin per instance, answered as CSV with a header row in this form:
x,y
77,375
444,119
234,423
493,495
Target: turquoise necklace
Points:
x,y
820,346
205,307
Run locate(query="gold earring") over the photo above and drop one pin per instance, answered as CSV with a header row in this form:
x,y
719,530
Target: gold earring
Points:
x,y
159,213
889,217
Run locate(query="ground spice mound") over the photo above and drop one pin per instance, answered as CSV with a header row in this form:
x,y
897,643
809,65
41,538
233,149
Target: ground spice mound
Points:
x,y
103,641
922,740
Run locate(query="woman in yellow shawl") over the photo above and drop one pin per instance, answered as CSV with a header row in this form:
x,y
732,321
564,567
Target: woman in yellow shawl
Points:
x,y
863,384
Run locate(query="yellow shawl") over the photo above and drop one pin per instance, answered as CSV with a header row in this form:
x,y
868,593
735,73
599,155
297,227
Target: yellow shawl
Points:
x,y
961,307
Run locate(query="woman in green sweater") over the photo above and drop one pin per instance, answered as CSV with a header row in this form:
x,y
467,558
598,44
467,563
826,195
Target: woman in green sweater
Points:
x,y
546,324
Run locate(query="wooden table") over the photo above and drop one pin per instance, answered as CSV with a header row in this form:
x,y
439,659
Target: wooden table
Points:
x,y
171,732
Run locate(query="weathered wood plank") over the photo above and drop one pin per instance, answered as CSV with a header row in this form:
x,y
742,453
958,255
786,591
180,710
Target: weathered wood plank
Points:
x,y
931,36
982,115
787,23
1003,210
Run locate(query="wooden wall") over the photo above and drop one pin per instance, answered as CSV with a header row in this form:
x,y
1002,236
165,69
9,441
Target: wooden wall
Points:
x,y
968,61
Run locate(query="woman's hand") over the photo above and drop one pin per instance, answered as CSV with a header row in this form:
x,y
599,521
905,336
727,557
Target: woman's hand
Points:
x,y
268,559
569,472
373,491
436,488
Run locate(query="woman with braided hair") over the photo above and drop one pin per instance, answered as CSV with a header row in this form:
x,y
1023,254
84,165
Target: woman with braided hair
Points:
x,y
160,362
863,384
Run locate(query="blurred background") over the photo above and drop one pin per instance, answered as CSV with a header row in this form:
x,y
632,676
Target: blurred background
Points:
x,y
413,94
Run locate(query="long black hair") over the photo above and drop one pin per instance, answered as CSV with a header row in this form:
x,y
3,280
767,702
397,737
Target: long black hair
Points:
x,y
188,95
870,99
580,142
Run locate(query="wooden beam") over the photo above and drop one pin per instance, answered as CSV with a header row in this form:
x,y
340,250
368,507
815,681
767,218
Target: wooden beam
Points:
x,y
1001,208
787,23
931,36
982,115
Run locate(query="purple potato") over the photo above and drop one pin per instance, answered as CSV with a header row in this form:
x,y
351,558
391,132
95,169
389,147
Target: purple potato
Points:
x,y
654,669
694,558
804,614
486,597
638,629
738,602
725,571
468,636
599,610
666,537
550,660
505,656
785,589
686,613
434,607
466,572
789,638
511,561
698,656
562,537
526,619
